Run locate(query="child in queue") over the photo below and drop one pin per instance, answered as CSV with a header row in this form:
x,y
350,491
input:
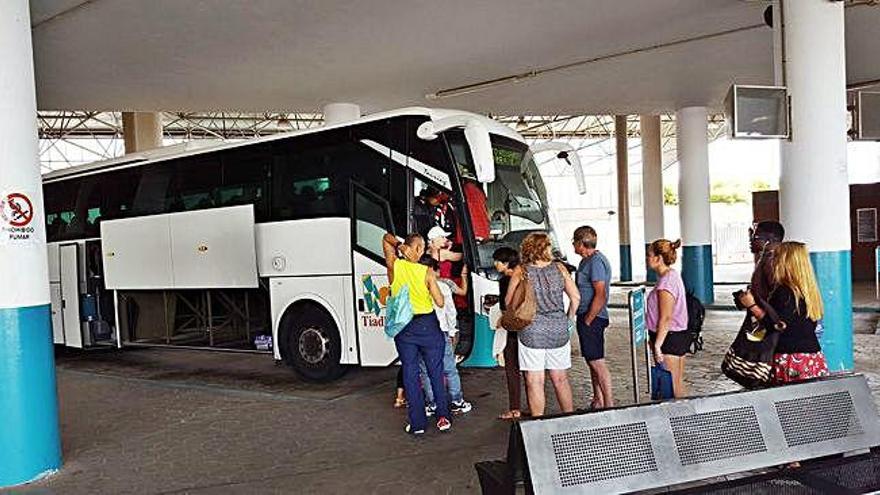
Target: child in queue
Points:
x,y
448,324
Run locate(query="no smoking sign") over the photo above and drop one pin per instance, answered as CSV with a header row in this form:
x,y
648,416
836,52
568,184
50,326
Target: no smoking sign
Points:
x,y
16,216
17,210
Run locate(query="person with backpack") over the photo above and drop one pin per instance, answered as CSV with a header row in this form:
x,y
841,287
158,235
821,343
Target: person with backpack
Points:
x,y
666,314
594,284
421,338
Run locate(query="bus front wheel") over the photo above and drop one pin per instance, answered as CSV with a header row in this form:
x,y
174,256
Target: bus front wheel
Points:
x,y
312,344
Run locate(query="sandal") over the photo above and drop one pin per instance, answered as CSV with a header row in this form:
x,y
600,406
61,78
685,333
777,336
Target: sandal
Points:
x,y
511,415
399,403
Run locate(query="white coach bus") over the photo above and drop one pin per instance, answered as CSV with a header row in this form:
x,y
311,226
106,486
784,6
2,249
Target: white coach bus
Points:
x,y
221,247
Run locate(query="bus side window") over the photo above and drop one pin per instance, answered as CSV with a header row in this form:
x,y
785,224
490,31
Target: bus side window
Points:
x,y
118,192
195,182
399,194
60,202
311,177
371,221
150,198
88,207
245,172
399,197
304,187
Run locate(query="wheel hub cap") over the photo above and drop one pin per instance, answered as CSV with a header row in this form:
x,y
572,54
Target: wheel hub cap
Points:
x,y
314,345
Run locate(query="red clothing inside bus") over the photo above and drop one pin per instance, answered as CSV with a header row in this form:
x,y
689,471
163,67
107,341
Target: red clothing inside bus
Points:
x,y
475,200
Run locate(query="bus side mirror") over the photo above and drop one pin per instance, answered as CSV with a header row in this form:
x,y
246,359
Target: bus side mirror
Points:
x,y
569,154
481,150
477,136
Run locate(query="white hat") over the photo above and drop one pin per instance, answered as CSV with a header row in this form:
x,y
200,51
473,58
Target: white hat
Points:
x,y
437,232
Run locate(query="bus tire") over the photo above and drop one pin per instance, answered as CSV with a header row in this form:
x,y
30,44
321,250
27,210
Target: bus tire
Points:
x,y
311,343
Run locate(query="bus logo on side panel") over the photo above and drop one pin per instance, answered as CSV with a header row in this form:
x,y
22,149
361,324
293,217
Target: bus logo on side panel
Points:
x,y
375,298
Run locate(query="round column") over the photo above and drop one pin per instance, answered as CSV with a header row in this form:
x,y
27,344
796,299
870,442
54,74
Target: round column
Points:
x,y
692,135
337,113
141,131
623,197
813,185
29,441
652,182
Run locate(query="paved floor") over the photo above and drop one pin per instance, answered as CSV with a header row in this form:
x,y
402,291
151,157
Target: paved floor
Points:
x,y
172,421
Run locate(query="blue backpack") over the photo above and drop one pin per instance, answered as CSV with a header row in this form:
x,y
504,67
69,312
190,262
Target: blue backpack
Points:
x,y
398,312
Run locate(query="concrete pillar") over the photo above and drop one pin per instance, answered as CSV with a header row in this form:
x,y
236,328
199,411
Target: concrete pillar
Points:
x,y
142,131
813,185
623,197
30,445
692,133
652,182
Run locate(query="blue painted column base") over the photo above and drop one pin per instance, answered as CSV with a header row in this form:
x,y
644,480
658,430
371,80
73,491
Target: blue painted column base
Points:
x,y
30,444
625,263
697,272
651,275
834,275
484,339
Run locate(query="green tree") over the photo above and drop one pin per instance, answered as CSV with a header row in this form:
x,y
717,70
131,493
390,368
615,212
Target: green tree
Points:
x,y
670,197
760,185
723,192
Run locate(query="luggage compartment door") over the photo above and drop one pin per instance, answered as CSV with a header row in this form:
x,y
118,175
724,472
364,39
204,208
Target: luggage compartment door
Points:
x,y
70,315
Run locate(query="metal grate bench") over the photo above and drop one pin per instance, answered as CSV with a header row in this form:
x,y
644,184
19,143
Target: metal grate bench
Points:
x,y
663,444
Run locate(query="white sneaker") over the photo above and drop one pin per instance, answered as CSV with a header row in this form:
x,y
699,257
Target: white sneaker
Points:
x,y
461,407
409,430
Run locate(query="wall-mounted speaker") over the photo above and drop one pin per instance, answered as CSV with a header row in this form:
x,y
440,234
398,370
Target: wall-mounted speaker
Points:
x,y
757,112
867,115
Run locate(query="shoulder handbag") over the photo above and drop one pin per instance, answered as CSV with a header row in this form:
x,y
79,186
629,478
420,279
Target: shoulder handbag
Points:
x,y
522,308
398,312
749,361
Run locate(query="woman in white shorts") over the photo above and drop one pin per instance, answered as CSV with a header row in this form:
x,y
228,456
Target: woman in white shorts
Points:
x,y
545,344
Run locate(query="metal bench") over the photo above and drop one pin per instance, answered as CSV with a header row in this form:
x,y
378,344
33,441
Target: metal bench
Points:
x,y
663,444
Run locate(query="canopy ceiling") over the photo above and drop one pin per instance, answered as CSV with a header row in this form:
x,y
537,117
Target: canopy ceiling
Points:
x,y
296,55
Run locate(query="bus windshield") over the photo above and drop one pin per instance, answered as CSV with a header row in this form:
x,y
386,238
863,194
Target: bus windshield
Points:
x,y
517,198
515,203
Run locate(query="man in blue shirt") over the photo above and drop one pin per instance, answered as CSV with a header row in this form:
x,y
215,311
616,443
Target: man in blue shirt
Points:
x,y
594,284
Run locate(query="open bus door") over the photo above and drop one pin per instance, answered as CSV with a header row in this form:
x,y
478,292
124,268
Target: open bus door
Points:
x,y
371,219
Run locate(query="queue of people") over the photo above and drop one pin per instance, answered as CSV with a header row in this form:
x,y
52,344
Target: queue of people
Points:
x,y
783,289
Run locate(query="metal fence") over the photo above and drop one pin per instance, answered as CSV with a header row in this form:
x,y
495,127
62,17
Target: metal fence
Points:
x,y
730,243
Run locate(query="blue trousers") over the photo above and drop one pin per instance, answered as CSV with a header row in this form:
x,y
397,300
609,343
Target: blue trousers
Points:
x,y
450,372
422,339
